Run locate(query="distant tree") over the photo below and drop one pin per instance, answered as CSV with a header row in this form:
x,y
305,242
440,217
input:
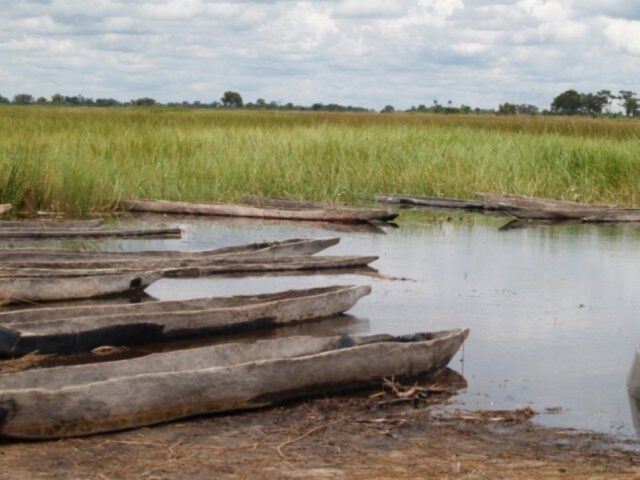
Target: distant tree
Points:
x,y
4,100
57,99
106,102
527,109
594,103
388,109
630,103
508,109
607,98
568,103
41,101
143,102
23,99
232,100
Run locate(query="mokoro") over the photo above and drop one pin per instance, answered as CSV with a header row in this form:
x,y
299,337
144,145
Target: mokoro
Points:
x,y
90,399
33,233
5,208
345,215
212,266
278,202
17,287
81,329
45,224
544,209
35,257
432,202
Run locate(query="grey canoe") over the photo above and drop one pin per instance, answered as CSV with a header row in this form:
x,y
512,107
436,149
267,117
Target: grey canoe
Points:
x,y
45,258
545,209
49,233
15,287
81,329
344,215
53,224
56,284
432,202
90,399
199,267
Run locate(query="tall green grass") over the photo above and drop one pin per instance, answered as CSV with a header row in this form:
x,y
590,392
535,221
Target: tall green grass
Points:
x,y
76,160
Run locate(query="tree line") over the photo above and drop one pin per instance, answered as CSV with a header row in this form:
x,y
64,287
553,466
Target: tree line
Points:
x,y
570,102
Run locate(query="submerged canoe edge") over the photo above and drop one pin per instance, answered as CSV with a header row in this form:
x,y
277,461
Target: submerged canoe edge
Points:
x,y
146,399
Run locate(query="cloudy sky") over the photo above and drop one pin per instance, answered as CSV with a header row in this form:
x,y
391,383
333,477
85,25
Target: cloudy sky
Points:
x,y
361,52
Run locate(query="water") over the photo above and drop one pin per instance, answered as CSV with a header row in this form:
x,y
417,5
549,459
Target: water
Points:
x,y
552,311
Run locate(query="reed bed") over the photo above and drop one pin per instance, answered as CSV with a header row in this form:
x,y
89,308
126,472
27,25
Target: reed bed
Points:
x,y
80,159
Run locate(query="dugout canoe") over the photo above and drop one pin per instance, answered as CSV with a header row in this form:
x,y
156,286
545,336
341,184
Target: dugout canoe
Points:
x,y
341,215
104,397
212,266
5,208
19,286
49,233
81,329
433,202
40,258
52,224
544,209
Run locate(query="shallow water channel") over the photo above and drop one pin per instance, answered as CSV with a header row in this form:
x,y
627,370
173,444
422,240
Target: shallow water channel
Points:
x,y
553,311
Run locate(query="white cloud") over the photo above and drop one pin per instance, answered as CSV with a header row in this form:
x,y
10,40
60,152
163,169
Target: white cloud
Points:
x,y
368,52
624,35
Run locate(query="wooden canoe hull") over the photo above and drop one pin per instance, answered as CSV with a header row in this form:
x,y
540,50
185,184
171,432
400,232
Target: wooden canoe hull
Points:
x,y
214,266
432,202
82,331
159,394
53,287
52,224
345,215
40,233
544,209
41,259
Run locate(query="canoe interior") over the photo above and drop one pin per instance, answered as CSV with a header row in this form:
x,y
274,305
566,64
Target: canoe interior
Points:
x,y
140,324
26,316
218,356
92,399
335,214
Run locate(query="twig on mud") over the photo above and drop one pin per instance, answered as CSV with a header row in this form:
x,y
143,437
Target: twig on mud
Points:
x,y
301,437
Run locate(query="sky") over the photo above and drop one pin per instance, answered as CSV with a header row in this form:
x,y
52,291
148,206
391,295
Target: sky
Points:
x,y
358,52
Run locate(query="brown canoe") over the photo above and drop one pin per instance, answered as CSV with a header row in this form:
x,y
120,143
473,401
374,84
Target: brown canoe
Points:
x,y
47,258
52,224
344,215
54,286
90,399
81,329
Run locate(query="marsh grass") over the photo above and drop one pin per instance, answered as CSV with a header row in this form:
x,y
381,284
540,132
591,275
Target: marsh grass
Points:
x,y
80,159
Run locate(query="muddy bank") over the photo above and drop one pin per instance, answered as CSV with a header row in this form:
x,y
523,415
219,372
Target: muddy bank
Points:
x,y
373,435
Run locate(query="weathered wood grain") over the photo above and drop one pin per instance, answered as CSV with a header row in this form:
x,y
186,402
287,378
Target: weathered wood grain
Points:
x,y
90,399
51,258
53,286
345,215
81,329
49,233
